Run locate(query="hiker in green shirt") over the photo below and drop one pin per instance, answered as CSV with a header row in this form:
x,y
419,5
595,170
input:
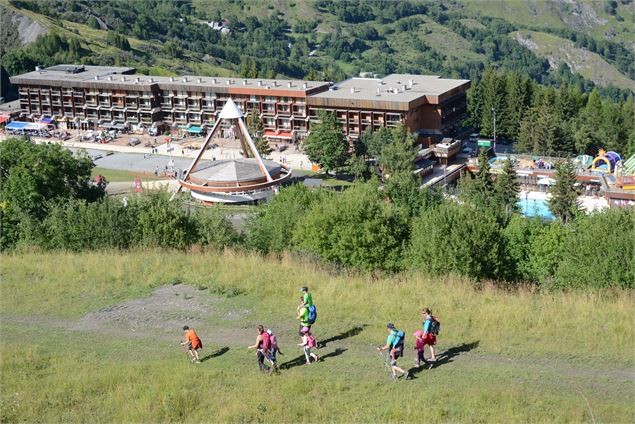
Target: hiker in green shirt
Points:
x,y
303,316
307,298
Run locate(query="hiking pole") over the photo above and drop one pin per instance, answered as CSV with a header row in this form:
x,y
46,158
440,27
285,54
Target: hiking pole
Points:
x,y
386,365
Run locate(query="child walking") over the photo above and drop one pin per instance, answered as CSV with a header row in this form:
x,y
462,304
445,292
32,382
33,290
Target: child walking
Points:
x,y
308,342
419,347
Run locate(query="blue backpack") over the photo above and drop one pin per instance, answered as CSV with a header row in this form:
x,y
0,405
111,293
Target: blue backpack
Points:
x,y
399,340
312,314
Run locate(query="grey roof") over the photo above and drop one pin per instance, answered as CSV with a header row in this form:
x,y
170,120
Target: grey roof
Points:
x,y
392,88
233,170
118,76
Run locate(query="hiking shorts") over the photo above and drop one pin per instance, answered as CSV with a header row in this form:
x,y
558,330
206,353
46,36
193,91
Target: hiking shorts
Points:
x,y
189,346
429,339
395,353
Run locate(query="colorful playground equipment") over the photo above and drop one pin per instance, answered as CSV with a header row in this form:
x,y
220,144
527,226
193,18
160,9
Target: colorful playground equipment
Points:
x,y
605,162
625,174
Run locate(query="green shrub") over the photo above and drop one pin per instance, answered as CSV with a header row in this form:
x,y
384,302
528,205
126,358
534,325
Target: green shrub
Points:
x,y
357,228
77,225
520,234
162,223
457,238
599,254
271,228
546,251
214,229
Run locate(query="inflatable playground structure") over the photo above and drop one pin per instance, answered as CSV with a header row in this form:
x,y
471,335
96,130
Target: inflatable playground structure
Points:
x,y
618,172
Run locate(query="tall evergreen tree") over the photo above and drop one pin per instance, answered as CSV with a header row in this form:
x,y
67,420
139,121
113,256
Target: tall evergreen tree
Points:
x,y
398,156
493,98
478,189
506,188
517,101
564,197
256,129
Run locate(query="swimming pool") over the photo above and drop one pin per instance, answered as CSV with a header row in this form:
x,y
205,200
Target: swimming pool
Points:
x,y
535,208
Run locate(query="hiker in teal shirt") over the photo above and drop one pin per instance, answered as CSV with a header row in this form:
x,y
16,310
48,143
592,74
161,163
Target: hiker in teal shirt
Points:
x,y
395,342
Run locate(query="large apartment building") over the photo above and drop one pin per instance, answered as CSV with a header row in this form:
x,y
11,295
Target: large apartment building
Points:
x,y
428,105
92,96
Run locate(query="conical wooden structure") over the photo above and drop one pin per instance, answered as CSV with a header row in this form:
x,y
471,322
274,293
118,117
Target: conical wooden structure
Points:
x,y
233,180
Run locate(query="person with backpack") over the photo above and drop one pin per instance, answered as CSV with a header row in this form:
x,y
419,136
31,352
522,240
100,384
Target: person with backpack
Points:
x,y
193,343
262,346
395,342
307,298
308,342
307,315
431,328
273,349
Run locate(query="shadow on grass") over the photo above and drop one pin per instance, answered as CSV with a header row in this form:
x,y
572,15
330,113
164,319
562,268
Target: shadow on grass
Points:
x,y
444,358
219,352
344,335
301,360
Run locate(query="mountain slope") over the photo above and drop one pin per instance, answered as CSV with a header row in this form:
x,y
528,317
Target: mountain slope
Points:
x,y
588,64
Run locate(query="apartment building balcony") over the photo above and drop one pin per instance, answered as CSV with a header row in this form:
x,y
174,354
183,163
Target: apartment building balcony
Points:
x,y
132,95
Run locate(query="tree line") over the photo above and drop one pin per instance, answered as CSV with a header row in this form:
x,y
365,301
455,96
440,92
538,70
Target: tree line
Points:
x,y
370,227
549,121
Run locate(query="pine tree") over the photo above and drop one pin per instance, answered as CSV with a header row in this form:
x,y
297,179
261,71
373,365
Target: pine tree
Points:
x,y
546,142
506,188
518,97
564,197
527,134
493,98
478,189
256,128
398,156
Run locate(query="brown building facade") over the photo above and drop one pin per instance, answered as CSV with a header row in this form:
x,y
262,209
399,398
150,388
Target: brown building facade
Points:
x,y
90,96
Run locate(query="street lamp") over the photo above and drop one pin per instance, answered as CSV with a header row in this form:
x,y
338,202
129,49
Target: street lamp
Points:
x,y
494,111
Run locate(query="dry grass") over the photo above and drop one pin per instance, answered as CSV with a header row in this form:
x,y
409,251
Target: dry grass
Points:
x,y
537,356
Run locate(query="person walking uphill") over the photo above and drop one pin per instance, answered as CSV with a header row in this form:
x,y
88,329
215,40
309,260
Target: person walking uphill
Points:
x,y
395,342
262,347
307,298
307,312
308,342
193,343
431,329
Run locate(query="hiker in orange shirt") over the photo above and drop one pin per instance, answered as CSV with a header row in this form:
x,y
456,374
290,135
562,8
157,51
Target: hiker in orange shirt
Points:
x,y
193,343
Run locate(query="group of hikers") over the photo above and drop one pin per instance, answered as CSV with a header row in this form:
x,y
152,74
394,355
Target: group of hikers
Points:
x,y
266,344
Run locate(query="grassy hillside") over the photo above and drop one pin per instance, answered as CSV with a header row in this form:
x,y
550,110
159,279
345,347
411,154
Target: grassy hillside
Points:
x,y
93,337
588,64
594,18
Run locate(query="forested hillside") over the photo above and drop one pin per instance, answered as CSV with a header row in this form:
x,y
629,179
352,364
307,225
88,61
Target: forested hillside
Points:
x,y
573,47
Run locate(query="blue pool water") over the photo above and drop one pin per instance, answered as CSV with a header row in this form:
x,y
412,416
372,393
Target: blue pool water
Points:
x,y
535,208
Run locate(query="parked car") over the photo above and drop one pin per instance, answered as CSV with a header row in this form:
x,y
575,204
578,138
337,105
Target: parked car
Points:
x,y
134,142
474,137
